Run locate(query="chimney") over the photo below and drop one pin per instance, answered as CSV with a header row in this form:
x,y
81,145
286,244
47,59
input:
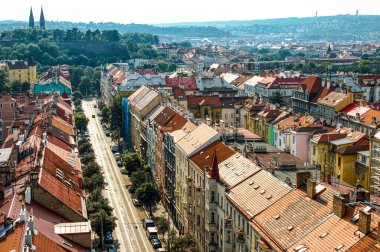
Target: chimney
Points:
x,y
30,223
346,197
339,208
28,238
301,178
364,222
310,190
357,116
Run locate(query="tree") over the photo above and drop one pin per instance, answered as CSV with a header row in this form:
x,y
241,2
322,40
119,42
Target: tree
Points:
x,y
86,147
109,221
90,169
116,113
276,98
94,182
81,121
183,243
163,226
87,158
138,178
148,195
131,161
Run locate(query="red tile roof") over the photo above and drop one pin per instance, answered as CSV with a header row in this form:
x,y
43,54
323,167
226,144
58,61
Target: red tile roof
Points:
x,y
195,101
13,241
311,84
62,192
44,221
349,108
188,82
204,157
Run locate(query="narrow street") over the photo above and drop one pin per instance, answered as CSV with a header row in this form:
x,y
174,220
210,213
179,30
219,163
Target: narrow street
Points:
x,y
129,231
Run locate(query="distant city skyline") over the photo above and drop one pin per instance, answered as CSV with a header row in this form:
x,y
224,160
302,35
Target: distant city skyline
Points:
x,y
168,11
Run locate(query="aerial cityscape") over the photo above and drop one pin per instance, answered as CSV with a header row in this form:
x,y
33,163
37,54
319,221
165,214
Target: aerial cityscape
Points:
x,y
216,132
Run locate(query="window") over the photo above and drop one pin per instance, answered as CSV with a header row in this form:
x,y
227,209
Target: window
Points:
x,y
364,160
206,111
228,238
339,161
256,242
190,208
212,217
212,238
198,220
212,196
314,150
294,139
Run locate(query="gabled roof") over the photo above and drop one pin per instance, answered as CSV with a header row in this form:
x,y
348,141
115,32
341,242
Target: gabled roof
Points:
x,y
60,124
294,215
175,123
236,169
195,101
257,192
197,139
164,116
62,192
187,82
332,99
311,85
369,115
204,157
339,231
295,121
137,95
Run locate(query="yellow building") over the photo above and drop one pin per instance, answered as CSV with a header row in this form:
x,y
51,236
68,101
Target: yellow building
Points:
x,y
21,71
342,156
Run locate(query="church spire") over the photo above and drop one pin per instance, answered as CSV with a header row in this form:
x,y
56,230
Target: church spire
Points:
x,y
31,19
42,20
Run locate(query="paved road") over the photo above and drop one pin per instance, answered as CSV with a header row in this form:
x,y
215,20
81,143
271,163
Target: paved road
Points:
x,y
129,237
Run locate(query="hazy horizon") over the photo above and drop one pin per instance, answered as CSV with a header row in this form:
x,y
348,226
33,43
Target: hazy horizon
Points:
x,y
165,12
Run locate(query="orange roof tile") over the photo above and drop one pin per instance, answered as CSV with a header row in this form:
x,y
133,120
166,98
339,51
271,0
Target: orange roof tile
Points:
x,y
13,240
60,124
367,120
294,215
257,192
62,192
204,157
44,244
339,231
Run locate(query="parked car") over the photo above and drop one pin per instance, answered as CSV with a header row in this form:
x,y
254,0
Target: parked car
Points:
x,y
136,202
119,163
112,248
148,222
107,132
114,148
161,250
108,238
95,106
156,243
86,134
152,233
93,116
123,170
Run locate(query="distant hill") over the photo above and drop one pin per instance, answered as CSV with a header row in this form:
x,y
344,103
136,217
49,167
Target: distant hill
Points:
x,y
327,28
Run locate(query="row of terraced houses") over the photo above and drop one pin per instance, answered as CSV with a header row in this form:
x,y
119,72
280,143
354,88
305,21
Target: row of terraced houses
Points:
x,y
269,184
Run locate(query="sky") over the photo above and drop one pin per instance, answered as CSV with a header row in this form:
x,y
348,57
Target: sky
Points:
x,y
174,11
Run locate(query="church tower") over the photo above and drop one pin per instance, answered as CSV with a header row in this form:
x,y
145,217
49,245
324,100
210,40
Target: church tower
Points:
x,y
31,19
42,20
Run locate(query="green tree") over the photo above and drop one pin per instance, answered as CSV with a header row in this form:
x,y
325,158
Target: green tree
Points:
x,y
163,226
148,195
116,113
90,169
86,147
81,121
109,221
3,80
87,158
94,182
138,177
132,162
183,244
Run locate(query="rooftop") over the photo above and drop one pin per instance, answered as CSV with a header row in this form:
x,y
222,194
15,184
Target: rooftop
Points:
x,y
257,192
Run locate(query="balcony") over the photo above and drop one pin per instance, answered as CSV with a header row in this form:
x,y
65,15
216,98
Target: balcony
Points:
x,y
228,222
